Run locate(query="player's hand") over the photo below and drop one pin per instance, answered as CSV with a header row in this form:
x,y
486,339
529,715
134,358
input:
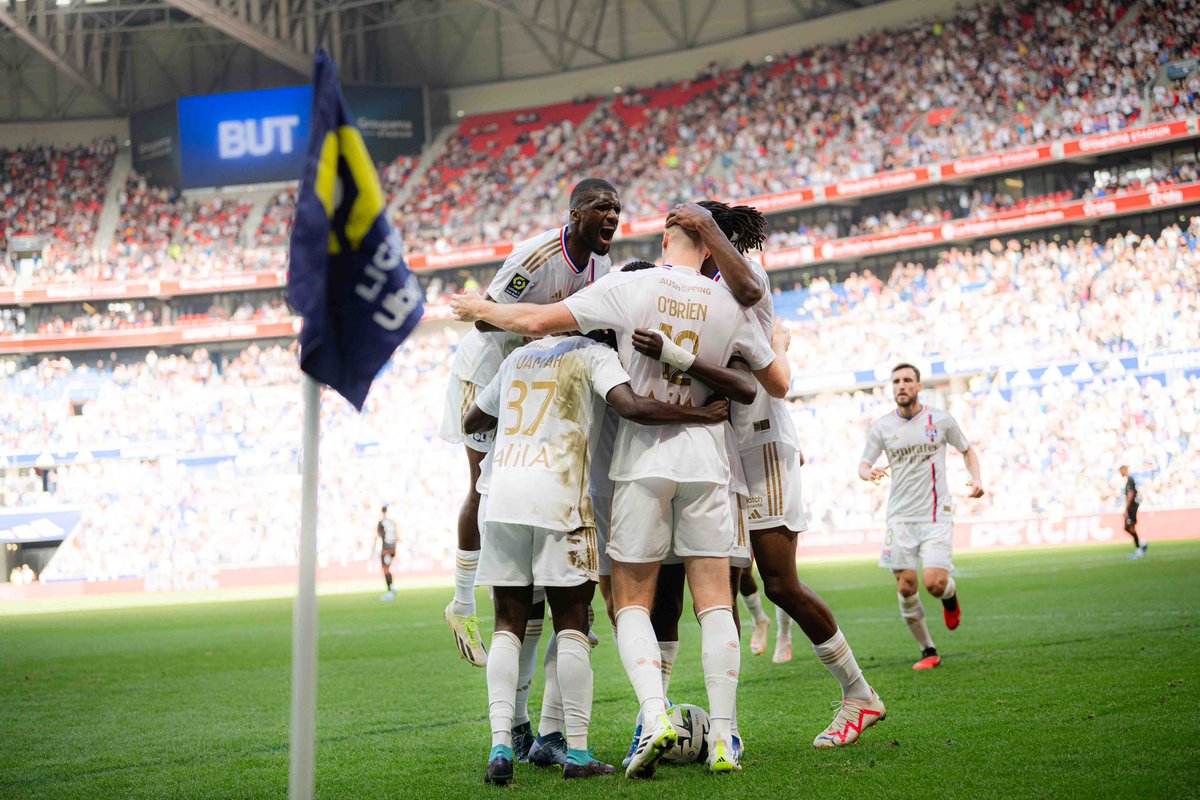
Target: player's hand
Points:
x,y
648,342
466,306
717,411
976,490
690,216
877,475
781,336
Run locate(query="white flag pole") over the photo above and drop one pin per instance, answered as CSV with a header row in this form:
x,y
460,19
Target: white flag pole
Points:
x,y
304,617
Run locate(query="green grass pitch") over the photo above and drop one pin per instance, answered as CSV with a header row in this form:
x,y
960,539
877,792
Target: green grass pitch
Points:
x,y
1075,673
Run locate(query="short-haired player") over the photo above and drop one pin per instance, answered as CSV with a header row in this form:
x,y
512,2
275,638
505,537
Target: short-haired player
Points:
x,y
542,269
920,528
770,454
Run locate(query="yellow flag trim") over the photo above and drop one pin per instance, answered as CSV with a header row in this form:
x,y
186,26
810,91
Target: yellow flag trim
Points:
x,y
347,145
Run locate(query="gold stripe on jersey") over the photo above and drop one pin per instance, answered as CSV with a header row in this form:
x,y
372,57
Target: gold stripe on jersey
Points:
x,y
541,255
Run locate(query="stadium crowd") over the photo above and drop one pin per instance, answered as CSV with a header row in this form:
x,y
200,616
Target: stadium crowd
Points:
x,y
204,423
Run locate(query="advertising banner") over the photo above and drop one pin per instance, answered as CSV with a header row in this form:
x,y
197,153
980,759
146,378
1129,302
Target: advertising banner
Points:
x,y
154,140
391,120
244,137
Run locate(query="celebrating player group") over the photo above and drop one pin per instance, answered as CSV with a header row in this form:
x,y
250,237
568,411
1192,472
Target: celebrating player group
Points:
x,y
628,429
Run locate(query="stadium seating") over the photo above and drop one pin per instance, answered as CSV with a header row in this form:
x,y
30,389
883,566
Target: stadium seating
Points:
x,y
238,422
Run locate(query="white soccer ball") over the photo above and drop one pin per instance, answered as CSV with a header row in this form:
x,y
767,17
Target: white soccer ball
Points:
x,y
691,723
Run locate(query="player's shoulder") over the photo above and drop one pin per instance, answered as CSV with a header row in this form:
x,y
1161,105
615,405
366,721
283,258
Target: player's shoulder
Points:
x,y
883,420
941,415
533,253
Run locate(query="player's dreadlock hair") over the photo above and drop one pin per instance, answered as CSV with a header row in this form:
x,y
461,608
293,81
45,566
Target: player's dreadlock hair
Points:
x,y
588,187
745,226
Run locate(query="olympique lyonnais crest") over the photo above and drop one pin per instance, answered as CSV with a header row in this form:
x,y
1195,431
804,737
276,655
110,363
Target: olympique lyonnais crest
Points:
x,y
931,430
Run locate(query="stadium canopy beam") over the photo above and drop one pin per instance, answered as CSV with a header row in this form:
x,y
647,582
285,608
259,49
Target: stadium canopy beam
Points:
x,y
49,52
564,35
247,34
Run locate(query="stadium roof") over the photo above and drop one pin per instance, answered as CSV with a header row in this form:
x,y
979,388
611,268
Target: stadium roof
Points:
x,y
73,59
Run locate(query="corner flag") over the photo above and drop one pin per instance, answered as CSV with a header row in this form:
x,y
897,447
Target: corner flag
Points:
x,y
346,276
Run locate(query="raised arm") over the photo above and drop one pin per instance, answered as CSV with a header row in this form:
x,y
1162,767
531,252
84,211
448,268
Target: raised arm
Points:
x,y
733,382
526,319
644,411
736,271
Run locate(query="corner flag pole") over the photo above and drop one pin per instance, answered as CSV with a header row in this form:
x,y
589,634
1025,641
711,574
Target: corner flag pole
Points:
x,y
304,616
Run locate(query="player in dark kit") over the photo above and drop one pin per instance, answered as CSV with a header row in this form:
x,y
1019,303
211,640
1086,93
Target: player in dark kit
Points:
x,y
385,532
1132,500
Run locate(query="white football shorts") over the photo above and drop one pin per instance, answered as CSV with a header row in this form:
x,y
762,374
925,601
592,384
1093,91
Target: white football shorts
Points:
x,y
526,555
773,475
653,517
460,396
602,511
908,545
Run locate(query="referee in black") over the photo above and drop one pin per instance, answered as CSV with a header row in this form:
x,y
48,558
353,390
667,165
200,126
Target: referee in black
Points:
x,y
1132,499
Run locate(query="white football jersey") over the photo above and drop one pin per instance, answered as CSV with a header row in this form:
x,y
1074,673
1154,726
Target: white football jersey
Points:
x,y
766,419
546,397
916,451
538,270
602,485
700,317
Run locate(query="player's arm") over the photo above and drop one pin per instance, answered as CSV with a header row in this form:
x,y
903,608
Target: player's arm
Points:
x,y
776,379
871,453
525,319
478,421
733,382
644,411
976,484
736,272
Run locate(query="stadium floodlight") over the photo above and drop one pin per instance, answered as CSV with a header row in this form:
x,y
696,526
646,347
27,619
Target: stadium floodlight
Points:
x,y
61,3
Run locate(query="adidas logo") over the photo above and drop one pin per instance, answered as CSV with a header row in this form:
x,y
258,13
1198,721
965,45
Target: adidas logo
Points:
x,y
755,515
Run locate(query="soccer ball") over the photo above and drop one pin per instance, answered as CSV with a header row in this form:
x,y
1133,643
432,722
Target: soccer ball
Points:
x,y
691,723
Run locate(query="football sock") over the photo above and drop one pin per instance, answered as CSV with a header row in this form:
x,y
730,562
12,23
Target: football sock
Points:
x,y
575,686
528,666
552,701
784,624
949,596
502,668
914,616
669,650
721,659
839,659
642,660
466,562
387,576
754,606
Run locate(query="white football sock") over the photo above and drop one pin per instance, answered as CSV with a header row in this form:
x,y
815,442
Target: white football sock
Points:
x,y
575,686
502,670
951,589
784,624
721,658
838,658
529,654
552,702
642,660
754,606
668,650
914,615
466,563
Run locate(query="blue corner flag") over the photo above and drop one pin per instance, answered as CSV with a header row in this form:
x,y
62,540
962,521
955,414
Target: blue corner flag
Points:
x,y
347,276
